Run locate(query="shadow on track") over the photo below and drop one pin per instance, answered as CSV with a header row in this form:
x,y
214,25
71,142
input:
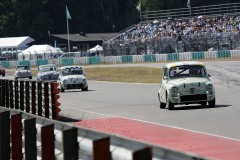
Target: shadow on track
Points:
x,y
191,107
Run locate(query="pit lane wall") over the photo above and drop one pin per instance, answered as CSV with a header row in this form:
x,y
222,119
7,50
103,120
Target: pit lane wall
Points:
x,y
127,58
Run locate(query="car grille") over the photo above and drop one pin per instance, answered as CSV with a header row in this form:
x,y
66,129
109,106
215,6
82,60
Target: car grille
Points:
x,y
74,86
50,77
191,98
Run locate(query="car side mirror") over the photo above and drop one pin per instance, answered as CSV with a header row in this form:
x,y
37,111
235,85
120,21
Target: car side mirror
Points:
x,y
209,75
165,77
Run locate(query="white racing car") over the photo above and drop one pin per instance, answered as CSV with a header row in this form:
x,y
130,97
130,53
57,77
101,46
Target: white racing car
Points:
x,y
185,83
72,77
22,71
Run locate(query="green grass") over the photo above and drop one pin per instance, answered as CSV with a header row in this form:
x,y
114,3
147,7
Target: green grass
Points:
x,y
125,74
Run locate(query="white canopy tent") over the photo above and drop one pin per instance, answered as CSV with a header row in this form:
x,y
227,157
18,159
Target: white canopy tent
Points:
x,y
95,49
38,52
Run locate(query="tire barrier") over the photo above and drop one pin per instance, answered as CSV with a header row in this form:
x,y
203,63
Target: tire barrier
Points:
x,y
33,97
30,137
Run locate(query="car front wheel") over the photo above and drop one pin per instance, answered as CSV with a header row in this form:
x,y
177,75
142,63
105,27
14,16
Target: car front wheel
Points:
x,y
61,88
212,103
85,89
170,105
162,105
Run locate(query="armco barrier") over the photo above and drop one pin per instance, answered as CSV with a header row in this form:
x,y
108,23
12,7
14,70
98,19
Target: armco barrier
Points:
x,y
29,96
128,58
30,137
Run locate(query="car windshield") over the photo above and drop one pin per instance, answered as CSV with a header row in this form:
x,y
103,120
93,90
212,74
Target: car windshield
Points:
x,y
187,71
19,68
48,68
69,71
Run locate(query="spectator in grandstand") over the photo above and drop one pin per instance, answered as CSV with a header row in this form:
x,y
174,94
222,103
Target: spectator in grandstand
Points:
x,y
181,28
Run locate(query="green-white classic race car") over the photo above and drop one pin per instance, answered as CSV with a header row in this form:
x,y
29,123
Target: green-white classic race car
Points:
x,y
72,77
185,83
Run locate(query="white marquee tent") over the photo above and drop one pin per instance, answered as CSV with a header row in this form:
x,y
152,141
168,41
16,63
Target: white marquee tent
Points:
x,y
95,49
38,52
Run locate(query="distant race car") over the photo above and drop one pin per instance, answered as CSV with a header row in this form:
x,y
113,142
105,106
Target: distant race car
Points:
x,y
47,73
22,71
72,77
2,70
185,83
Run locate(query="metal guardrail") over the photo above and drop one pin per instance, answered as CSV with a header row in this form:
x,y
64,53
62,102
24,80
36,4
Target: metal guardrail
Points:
x,y
30,137
221,9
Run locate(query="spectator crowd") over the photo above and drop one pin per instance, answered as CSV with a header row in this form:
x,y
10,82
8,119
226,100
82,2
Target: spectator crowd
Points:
x,y
179,28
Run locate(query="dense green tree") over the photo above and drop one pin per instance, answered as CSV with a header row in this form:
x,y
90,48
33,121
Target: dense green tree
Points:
x,y
7,18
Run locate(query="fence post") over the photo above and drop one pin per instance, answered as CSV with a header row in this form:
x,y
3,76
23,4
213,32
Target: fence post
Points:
x,y
33,90
39,96
16,130
101,149
5,135
70,144
22,95
27,95
4,93
7,92
46,99
143,154
47,139
30,139
11,93
1,92
16,94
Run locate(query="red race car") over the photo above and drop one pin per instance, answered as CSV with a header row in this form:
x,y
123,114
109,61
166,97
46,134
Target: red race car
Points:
x,y
2,70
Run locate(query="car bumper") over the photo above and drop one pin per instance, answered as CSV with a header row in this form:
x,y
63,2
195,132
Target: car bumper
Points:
x,y
74,86
194,98
23,76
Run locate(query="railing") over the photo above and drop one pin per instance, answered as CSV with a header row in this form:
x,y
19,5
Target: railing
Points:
x,y
138,57
26,136
33,97
221,9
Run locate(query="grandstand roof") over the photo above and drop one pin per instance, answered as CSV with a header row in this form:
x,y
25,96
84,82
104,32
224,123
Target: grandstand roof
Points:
x,y
86,36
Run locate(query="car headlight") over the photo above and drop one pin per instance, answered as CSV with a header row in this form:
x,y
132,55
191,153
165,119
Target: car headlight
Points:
x,y
174,91
209,87
56,75
84,80
64,81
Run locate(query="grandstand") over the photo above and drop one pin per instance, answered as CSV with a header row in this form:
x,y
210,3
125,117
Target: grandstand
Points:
x,y
214,27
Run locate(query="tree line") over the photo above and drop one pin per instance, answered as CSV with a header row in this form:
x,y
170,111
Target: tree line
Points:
x,y
38,18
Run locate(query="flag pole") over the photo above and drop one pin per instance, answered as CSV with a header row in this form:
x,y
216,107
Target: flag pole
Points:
x,y
68,31
190,7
